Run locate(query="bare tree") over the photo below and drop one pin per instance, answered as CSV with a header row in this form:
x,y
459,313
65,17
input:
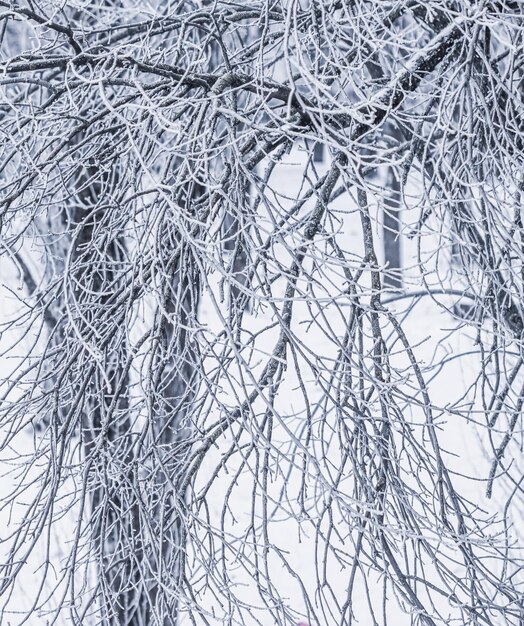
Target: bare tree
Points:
x,y
233,417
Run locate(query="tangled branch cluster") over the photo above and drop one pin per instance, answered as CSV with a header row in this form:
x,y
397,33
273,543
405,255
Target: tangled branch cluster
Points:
x,y
228,414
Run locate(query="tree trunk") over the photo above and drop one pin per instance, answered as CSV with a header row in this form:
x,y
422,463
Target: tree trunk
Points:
x,y
106,428
391,231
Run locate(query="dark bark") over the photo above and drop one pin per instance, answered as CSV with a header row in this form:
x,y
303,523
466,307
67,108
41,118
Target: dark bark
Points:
x,y
106,423
391,231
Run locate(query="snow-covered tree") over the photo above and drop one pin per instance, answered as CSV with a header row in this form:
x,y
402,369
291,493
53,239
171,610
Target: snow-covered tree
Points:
x,y
220,405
